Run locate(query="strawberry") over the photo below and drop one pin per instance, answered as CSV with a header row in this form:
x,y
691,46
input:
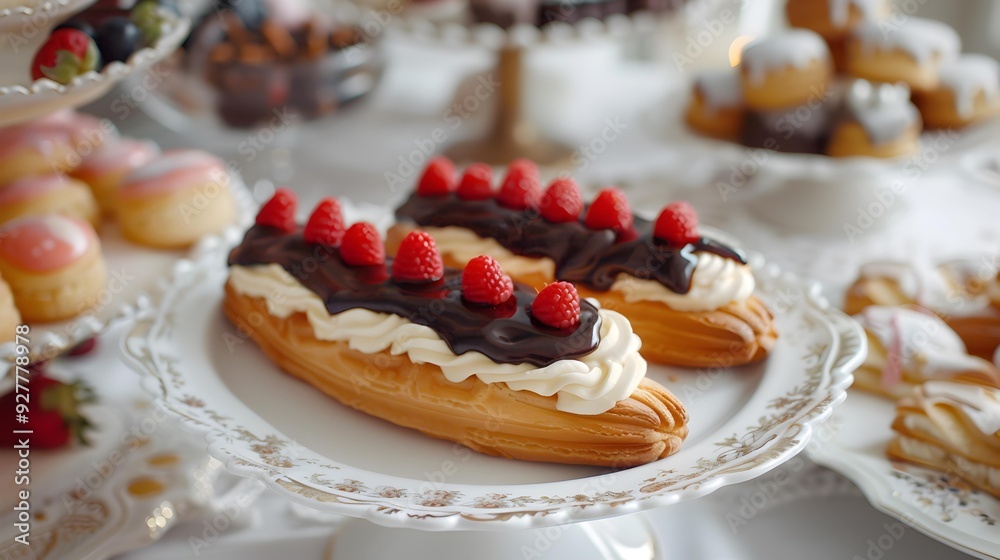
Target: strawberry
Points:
x,y
438,178
561,201
677,224
326,224
53,413
418,259
477,183
66,54
85,347
279,212
483,281
520,189
362,246
609,211
557,305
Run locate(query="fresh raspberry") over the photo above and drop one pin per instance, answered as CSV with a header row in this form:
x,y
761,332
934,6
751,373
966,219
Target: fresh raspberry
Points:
x,y
477,183
483,281
66,54
279,212
520,189
438,178
362,246
561,201
326,224
677,224
418,259
609,211
557,305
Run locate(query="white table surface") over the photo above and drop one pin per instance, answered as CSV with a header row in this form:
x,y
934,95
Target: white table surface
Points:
x,y
820,515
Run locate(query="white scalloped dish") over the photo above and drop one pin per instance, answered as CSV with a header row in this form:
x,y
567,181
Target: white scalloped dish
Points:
x,y
135,273
22,99
264,424
939,505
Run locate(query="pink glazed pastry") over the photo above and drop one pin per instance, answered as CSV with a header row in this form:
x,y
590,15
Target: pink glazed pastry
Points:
x,y
54,193
10,317
57,142
175,199
107,166
54,266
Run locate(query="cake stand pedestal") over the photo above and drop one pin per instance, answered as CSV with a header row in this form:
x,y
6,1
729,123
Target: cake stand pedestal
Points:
x,y
512,135
619,538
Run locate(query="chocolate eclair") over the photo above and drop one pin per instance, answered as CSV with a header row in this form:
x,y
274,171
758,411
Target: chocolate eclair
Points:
x,y
688,296
465,355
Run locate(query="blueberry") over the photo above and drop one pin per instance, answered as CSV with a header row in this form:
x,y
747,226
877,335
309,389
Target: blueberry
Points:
x,y
252,12
117,38
77,24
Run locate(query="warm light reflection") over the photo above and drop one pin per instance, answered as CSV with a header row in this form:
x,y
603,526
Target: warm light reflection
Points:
x,y
736,49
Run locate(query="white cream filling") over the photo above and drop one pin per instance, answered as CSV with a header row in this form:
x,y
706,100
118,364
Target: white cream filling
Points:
x,y
981,473
591,384
923,450
716,282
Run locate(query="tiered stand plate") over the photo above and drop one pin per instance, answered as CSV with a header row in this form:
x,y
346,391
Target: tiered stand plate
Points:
x,y
263,424
24,30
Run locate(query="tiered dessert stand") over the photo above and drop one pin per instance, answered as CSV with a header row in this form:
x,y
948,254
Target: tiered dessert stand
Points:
x,y
400,487
512,135
26,29
137,269
90,507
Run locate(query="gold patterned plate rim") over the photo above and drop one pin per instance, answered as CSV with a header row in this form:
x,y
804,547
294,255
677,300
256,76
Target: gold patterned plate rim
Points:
x,y
796,393
939,505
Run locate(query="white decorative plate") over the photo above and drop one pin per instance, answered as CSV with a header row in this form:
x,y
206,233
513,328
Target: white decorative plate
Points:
x,y
134,274
264,424
22,99
139,477
38,15
936,504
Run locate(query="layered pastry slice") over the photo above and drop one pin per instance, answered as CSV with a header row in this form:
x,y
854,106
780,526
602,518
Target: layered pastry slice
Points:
x,y
965,293
908,346
689,297
951,427
463,355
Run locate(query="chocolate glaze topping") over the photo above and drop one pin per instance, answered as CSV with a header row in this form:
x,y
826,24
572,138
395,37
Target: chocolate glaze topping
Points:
x,y
505,334
593,258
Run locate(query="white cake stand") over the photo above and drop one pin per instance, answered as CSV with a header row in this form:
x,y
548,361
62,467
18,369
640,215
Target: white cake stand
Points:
x,y
136,274
398,485
26,29
512,135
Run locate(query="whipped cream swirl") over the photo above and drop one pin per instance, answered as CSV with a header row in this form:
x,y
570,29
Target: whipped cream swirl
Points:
x,y
591,384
